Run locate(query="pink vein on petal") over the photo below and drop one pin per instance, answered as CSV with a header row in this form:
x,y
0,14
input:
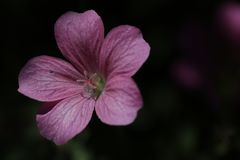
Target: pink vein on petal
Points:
x,y
79,36
120,102
123,52
68,118
46,78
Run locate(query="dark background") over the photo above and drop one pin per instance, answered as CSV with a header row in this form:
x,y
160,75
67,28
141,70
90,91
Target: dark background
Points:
x,y
190,83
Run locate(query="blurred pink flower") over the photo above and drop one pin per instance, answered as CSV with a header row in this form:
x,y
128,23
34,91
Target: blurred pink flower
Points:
x,y
187,75
191,71
98,76
229,17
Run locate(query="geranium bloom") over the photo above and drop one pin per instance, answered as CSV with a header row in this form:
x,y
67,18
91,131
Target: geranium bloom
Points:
x,y
97,77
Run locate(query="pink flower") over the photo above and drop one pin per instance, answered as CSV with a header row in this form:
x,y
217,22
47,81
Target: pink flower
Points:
x,y
188,75
97,77
229,17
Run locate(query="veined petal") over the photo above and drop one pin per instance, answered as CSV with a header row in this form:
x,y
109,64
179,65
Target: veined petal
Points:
x,y
79,37
68,118
120,101
47,78
123,52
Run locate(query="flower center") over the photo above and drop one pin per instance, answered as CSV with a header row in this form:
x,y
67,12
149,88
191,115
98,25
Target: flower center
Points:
x,y
93,84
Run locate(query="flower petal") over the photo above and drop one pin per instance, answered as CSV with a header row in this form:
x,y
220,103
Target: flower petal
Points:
x,y
79,37
119,103
124,51
68,118
47,78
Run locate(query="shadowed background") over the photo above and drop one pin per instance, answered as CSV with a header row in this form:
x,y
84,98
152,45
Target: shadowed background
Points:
x,y
190,83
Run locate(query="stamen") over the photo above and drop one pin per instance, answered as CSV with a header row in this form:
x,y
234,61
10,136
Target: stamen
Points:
x,y
85,74
93,75
93,84
80,80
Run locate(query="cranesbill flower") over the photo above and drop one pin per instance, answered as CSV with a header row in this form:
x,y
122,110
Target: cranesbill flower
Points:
x,y
98,76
